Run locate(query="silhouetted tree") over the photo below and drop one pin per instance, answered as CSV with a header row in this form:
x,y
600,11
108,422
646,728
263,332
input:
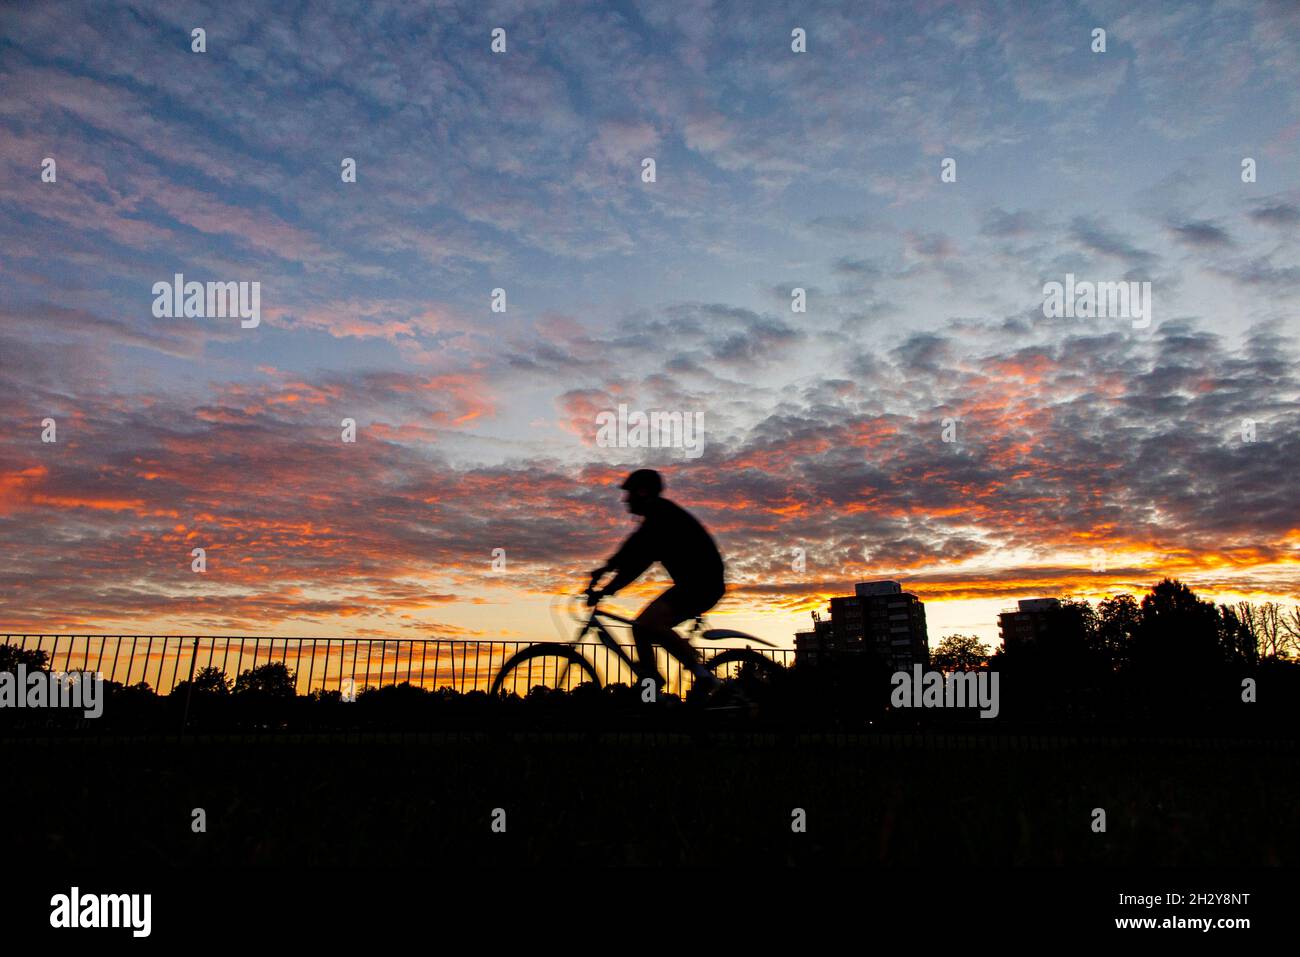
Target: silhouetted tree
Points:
x,y
1065,672
1118,618
209,681
1179,633
271,680
1272,635
1289,640
1238,633
11,656
960,653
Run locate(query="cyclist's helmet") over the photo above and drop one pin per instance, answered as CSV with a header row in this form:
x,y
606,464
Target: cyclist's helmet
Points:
x,y
644,480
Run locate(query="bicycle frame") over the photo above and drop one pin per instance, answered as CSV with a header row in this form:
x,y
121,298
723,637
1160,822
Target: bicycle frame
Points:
x,y
595,624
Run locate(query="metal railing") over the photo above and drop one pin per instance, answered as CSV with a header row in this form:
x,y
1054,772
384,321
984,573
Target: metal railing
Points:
x,y
329,664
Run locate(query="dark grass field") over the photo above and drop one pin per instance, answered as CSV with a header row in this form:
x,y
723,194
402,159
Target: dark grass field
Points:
x,y
427,802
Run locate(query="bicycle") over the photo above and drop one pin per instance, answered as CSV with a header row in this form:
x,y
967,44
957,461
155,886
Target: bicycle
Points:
x,y
561,657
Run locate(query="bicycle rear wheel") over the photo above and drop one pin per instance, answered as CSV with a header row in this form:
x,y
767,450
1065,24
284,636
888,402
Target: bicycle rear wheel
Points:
x,y
554,667
742,675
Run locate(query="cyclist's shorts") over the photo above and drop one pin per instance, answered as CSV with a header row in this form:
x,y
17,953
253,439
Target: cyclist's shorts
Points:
x,y
688,601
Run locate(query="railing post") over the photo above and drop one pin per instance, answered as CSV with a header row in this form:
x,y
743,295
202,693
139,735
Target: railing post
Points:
x,y
189,690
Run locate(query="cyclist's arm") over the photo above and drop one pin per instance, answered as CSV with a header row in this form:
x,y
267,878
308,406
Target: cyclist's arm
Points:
x,y
630,561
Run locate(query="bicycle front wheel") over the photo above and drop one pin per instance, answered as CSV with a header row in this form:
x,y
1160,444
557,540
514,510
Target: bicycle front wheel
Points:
x,y
553,667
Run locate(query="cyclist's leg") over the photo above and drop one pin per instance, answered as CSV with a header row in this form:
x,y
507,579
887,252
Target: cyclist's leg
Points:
x,y
654,626
662,615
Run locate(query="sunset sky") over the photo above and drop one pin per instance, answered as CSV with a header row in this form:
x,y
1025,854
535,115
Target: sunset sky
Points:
x,y
476,430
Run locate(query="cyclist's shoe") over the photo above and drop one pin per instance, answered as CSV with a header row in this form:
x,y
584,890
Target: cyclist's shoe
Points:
x,y
744,701
706,683
729,696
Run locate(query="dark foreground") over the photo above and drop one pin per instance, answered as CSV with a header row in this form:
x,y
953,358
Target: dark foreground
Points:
x,y
377,840
429,801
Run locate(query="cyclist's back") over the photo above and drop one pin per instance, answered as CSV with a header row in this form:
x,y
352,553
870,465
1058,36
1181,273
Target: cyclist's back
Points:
x,y
673,537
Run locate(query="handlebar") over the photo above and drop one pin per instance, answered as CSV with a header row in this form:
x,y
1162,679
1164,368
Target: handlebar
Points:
x,y
597,610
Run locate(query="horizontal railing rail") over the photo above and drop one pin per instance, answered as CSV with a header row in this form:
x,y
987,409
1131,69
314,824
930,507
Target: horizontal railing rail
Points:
x,y
330,664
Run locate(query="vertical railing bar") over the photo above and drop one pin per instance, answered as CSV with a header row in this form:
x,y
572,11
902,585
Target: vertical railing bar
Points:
x,y
117,647
370,644
174,670
162,663
194,657
148,653
311,666
189,690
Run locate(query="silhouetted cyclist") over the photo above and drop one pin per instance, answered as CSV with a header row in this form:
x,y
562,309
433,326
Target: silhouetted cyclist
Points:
x,y
671,536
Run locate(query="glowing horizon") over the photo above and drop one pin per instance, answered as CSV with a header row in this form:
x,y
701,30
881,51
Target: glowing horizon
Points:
x,y
922,419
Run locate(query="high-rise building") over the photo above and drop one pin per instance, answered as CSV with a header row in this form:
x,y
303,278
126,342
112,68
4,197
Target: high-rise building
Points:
x,y
1031,619
880,616
818,645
